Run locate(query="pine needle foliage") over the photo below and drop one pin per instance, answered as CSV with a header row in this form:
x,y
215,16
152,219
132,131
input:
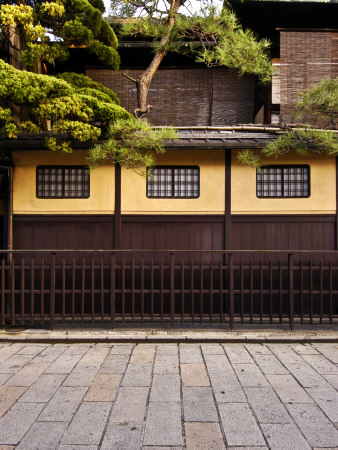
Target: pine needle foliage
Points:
x,y
318,105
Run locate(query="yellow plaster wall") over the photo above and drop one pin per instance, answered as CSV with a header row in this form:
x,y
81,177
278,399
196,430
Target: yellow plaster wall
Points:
x,y
322,198
212,186
102,179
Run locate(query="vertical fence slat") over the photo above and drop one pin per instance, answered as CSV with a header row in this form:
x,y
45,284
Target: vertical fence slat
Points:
x,y
172,290
73,289
133,290
63,290
201,291
42,298
271,290
242,291
291,292
251,290
182,291
123,290
301,287
92,285
261,287
152,290
311,293
221,298
321,292
102,289
3,287
142,290
22,296
280,292
211,290
112,289
231,290
32,292
161,290
192,292
330,293
83,286
52,291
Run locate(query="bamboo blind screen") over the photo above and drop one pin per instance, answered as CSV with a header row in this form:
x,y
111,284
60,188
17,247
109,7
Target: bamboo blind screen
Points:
x,y
305,59
189,97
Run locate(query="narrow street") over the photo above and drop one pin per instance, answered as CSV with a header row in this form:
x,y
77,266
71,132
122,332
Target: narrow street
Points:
x,y
160,396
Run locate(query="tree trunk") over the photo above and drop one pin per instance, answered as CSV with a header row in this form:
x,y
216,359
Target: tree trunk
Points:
x,y
143,82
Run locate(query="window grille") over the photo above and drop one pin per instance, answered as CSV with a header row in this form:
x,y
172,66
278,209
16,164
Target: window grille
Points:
x,y
283,181
173,182
62,182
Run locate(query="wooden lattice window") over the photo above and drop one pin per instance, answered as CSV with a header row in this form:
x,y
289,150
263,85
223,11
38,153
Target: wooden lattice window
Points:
x,y
283,181
173,182
62,182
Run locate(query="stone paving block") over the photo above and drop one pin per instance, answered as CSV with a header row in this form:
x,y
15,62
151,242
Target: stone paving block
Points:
x,y
288,390
125,435
227,388
15,423
194,375
28,374
239,425
202,435
269,364
304,349
166,364
328,351
190,354
122,349
248,448
317,429
43,389
43,435
14,363
30,349
78,349
321,364
7,447
306,375
50,354
217,363
327,400
83,376
332,379
8,396
162,447
237,354
115,364
103,388
4,377
78,447
199,405
88,424
250,375
284,437
130,405
142,355
137,375
7,351
95,356
285,354
212,349
163,424
267,406
166,349
258,349
63,405
65,363
166,387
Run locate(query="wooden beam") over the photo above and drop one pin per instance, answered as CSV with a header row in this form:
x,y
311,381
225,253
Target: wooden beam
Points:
x,y
227,221
117,228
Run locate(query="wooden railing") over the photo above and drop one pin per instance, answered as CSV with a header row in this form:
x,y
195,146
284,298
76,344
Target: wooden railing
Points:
x,y
48,287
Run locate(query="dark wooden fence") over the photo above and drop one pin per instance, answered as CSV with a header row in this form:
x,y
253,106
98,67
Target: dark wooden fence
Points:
x,y
48,287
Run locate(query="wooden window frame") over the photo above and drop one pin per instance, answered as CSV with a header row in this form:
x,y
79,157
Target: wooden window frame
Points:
x,y
283,167
85,176
173,196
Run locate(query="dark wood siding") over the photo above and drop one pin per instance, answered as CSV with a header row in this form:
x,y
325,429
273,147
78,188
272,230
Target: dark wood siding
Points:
x,y
296,232
63,232
193,97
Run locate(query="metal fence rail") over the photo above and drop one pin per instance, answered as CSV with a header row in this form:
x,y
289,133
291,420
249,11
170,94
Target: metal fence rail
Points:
x,y
137,286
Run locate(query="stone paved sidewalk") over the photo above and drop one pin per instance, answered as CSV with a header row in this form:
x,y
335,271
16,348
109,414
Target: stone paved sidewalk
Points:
x,y
160,396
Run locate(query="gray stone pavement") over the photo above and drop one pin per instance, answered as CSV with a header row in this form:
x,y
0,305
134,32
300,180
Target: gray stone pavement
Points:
x,y
88,396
